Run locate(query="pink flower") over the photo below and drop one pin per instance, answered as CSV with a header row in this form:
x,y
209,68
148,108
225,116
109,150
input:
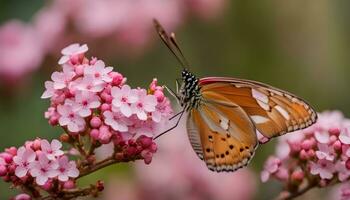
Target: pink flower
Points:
x,y
344,136
163,111
123,98
43,169
322,136
99,72
145,104
2,161
88,83
84,102
67,169
116,120
271,166
50,91
62,79
325,152
53,150
72,50
324,168
343,171
20,52
24,157
69,118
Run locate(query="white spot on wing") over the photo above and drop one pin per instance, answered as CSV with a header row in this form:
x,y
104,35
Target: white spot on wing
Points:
x,y
224,123
283,112
259,119
263,105
260,96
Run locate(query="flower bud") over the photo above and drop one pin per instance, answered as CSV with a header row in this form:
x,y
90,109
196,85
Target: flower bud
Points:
x,y
37,144
12,151
159,95
105,107
22,197
69,184
64,137
145,141
3,170
337,145
306,144
48,185
79,70
334,131
117,78
347,164
105,135
297,176
94,134
95,122
303,155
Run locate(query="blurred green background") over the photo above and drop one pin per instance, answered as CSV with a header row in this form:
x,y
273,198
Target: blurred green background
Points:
x,y
299,46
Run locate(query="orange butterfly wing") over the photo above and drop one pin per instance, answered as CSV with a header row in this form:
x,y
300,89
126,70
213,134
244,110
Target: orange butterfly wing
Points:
x,y
273,111
221,133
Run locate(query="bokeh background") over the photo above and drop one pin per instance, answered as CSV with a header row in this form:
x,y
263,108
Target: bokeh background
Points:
x,y
300,46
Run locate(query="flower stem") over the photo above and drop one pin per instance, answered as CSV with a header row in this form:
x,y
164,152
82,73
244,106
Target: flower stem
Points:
x,y
300,192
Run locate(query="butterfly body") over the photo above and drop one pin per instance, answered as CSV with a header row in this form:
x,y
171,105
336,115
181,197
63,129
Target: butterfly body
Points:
x,y
189,94
225,114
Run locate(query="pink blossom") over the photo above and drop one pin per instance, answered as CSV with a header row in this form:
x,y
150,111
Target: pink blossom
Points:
x,y
123,98
50,24
163,111
343,171
66,169
43,169
2,161
116,120
322,136
324,168
325,152
271,166
99,72
88,83
20,51
24,157
72,50
84,102
49,90
344,136
69,118
145,104
62,79
53,150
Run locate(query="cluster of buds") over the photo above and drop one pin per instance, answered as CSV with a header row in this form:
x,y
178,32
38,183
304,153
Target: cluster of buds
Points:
x,y
94,106
318,156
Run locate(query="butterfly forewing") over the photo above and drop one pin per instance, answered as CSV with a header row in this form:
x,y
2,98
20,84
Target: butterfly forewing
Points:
x,y
221,134
273,111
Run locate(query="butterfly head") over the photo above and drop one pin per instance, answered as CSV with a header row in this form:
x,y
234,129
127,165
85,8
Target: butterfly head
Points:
x,y
190,91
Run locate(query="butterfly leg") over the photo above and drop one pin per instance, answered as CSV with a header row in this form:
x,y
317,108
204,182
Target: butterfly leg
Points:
x,y
171,128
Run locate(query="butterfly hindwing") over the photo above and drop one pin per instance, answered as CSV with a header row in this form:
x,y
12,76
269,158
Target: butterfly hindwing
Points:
x,y
273,111
222,134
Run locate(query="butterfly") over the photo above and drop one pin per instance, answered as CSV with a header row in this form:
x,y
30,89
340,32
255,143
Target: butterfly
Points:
x,y
224,114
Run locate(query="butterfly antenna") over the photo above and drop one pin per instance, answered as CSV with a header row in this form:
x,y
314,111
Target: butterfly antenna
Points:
x,y
171,43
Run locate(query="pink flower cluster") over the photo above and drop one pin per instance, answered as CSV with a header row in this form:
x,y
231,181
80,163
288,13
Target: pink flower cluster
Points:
x,y
38,162
319,155
109,24
89,98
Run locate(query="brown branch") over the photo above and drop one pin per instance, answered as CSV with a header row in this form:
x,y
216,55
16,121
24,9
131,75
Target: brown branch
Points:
x,y
300,192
